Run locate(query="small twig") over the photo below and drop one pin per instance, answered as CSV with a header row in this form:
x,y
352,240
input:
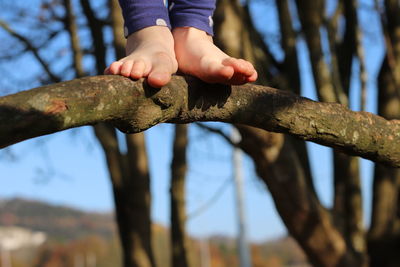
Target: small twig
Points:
x,y
362,66
218,132
31,48
218,193
331,28
71,27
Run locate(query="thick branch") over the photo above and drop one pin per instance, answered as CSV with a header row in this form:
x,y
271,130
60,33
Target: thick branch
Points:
x,y
134,107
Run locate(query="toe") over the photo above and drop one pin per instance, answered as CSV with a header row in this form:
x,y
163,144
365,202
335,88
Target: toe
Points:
x,y
253,77
239,65
250,70
162,68
237,79
158,78
221,74
244,67
115,68
126,68
138,69
213,72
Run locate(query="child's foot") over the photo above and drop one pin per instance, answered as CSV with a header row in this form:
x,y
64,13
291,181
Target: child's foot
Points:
x,y
150,54
198,56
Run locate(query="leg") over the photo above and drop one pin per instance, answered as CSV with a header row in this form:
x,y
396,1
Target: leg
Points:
x,y
150,45
194,48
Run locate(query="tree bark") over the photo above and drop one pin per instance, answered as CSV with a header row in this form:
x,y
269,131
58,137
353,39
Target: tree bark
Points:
x,y
311,17
384,241
332,84
132,193
383,238
291,71
179,241
306,220
130,181
135,107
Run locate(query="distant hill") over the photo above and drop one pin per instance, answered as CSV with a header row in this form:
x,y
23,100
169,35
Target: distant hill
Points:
x,y
59,222
70,225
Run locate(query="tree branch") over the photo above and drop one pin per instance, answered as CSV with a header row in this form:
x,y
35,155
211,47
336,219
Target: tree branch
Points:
x,y
33,49
134,107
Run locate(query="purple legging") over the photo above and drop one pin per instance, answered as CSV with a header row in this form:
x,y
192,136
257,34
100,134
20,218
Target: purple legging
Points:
x,y
139,14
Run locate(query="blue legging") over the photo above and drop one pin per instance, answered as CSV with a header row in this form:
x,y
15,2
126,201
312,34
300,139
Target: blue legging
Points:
x,y
139,14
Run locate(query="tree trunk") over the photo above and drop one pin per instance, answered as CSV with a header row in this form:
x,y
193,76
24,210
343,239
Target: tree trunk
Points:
x,y
384,234
306,220
132,193
179,241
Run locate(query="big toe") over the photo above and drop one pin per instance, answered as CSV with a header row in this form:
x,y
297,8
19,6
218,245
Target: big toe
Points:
x,y
163,66
158,78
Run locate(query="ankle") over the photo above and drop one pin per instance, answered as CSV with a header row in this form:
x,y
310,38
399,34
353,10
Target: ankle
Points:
x,y
189,33
150,35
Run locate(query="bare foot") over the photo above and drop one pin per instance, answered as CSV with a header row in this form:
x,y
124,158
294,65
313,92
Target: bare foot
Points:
x,y
150,54
198,56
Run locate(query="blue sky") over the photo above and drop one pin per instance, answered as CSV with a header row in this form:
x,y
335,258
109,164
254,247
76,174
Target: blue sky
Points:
x,y
68,168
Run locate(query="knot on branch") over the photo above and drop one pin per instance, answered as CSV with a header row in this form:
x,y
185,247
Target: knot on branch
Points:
x,y
151,107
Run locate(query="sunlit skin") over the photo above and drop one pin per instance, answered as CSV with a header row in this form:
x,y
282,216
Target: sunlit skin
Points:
x,y
157,53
